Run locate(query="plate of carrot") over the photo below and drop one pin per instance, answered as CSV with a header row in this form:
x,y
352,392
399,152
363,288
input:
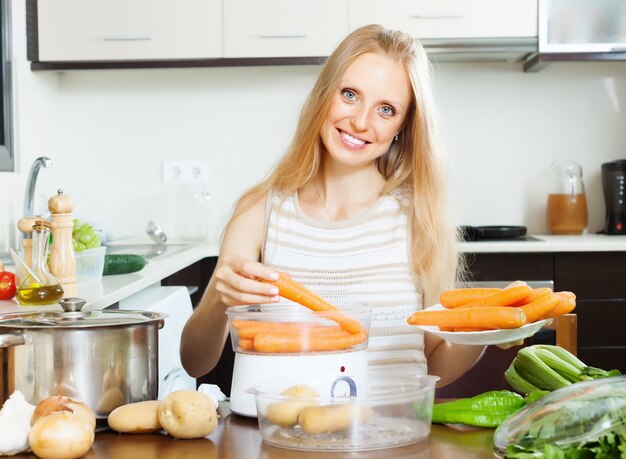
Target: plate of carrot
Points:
x,y
483,316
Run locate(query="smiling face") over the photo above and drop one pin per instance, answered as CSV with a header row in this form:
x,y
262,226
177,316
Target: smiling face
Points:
x,y
367,111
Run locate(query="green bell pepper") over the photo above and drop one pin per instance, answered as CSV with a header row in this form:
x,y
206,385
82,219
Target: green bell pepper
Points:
x,y
489,409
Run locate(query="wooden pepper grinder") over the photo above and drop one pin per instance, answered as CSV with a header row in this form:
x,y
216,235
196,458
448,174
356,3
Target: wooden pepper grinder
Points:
x,y
25,225
62,259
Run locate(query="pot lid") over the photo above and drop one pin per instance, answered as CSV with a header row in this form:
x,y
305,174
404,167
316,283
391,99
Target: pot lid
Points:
x,y
73,317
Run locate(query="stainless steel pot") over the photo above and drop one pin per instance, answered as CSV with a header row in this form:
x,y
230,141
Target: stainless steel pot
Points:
x,y
105,358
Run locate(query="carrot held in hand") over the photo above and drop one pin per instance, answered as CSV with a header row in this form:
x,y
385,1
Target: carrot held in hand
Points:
x,y
460,296
495,317
298,293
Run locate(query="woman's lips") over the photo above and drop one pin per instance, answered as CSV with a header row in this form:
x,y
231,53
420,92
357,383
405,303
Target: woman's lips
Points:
x,y
351,141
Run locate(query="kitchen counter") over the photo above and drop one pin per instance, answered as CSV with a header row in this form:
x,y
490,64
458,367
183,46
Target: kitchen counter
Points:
x,y
549,243
238,438
111,289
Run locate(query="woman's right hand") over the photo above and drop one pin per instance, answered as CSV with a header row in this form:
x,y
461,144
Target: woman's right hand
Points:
x,y
236,281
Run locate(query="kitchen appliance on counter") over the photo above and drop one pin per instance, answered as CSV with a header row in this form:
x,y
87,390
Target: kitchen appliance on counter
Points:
x,y
613,174
253,367
567,203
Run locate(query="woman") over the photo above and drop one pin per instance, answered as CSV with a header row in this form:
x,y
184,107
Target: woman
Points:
x,y
356,210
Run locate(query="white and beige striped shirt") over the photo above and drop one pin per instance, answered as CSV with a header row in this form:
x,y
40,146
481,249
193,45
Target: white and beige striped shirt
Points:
x,y
363,260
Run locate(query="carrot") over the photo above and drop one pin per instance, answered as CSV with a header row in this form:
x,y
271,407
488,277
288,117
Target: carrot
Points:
x,y
246,344
253,327
534,295
485,317
504,297
457,297
471,329
566,304
275,343
294,291
539,309
251,332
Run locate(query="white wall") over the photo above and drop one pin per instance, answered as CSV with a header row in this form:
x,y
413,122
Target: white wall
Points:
x,y
109,131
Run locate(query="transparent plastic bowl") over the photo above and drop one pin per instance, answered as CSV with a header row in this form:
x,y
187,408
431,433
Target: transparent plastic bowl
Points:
x,y
288,329
331,413
90,264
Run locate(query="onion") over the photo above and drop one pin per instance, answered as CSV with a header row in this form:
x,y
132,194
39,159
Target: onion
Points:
x,y
61,435
50,405
69,405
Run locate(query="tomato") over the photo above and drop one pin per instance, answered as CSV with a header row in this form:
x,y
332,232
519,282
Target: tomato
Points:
x,y
7,285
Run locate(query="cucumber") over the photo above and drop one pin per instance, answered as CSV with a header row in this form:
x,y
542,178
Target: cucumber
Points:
x,y
122,264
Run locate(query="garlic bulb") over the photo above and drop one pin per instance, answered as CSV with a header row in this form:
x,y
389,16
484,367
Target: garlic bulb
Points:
x,y
15,417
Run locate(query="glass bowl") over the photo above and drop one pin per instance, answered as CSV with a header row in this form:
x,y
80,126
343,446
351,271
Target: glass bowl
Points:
x,y
331,413
288,329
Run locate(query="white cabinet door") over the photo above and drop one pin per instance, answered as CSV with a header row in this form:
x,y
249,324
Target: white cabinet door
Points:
x,y
101,30
283,28
449,18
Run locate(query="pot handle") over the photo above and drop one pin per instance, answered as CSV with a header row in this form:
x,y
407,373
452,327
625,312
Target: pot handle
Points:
x,y
9,340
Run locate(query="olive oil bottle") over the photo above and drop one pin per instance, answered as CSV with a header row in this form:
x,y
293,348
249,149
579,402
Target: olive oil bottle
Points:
x,y
39,286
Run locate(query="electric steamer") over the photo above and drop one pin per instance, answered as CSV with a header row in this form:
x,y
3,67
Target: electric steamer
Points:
x,y
253,367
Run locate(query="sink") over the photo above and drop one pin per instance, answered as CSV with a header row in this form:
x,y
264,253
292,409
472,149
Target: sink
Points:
x,y
148,251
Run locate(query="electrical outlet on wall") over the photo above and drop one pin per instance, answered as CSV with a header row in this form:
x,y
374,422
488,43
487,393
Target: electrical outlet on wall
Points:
x,y
185,172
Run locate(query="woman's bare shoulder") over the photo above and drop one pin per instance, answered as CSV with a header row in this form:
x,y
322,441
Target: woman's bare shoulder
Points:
x,y
246,227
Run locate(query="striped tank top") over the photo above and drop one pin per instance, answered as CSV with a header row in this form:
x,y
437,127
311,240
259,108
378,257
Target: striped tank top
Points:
x,y
363,260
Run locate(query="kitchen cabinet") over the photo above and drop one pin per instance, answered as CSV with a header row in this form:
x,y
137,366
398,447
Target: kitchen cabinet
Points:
x,y
283,28
123,30
428,19
74,34
597,278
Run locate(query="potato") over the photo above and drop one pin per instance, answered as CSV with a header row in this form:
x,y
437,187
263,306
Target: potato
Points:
x,y
333,418
285,413
187,414
61,435
139,417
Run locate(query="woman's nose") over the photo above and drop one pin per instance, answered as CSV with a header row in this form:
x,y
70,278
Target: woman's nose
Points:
x,y
360,118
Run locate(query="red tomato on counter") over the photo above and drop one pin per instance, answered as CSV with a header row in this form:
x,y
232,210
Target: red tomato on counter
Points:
x,y
7,285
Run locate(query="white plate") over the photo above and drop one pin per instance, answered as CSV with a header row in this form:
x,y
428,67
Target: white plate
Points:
x,y
485,337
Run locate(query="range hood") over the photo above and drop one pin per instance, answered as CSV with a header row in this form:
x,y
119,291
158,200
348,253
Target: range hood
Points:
x,y
480,49
579,30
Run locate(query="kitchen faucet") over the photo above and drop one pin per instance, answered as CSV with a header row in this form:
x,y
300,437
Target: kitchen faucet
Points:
x,y
29,197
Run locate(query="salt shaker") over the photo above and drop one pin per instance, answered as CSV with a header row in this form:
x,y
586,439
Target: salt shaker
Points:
x,y
62,259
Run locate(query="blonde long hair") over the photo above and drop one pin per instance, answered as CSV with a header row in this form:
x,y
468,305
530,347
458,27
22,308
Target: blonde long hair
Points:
x,y
414,162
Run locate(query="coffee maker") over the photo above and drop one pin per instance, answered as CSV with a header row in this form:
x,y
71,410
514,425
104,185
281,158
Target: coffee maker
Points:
x,y
613,178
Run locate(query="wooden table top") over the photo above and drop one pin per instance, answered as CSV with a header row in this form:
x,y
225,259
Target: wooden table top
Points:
x,y
238,438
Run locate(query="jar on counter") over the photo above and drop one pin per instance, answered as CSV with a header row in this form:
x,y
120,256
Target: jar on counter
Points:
x,y
567,204
39,286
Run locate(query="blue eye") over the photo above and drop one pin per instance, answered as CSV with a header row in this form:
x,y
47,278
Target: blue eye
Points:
x,y
348,94
387,110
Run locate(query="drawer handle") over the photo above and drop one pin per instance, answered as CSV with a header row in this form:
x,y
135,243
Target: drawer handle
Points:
x,y
438,16
282,35
126,38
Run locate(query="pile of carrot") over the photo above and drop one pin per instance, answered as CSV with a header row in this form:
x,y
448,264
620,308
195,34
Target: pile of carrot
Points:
x,y
479,309
293,337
